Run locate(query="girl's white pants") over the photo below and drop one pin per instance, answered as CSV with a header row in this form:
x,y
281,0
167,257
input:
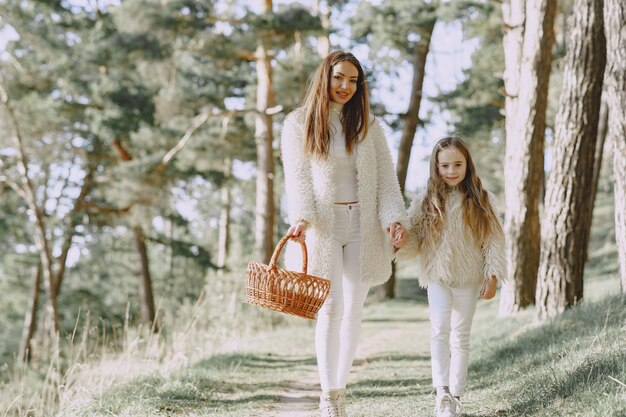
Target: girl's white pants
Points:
x,y
339,320
451,313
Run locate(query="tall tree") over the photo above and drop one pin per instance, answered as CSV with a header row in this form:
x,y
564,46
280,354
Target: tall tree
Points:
x,y
525,130
264,229
394,26
566,220
615,30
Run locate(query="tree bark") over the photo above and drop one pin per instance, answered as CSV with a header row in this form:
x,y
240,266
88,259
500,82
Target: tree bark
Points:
x,y
323,41
567,220
411,121
524,157
264,228
148,311
603,125
50,325
224,223
615,29
30,320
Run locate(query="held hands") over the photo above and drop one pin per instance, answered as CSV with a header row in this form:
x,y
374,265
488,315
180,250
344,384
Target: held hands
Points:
x,y
298,231
397,234
488,290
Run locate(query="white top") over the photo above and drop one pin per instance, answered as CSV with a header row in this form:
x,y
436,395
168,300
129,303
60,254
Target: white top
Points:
x,y
344,163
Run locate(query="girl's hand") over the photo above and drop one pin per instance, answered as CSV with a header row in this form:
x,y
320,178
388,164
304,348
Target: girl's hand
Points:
x,y
397,234
298,231
489,288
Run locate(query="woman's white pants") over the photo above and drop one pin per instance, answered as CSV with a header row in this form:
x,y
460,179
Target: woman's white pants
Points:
x,y
339,320
451,313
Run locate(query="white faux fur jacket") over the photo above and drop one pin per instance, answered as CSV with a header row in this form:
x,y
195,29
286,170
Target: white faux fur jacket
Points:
x,y
310,194
458,260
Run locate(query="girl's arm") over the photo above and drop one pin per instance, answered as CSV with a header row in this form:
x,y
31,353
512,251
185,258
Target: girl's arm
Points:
x,y
410,248
391,207
494,253
298,177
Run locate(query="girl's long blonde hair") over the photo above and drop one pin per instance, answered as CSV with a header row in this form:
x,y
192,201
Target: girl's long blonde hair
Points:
x,y
355,113
478,214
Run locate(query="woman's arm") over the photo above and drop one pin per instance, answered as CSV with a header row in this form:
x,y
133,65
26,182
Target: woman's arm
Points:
x,y
297,169
391,207
410,248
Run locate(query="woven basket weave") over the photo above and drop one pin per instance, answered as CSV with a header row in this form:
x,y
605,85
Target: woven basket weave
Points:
x,y
289,292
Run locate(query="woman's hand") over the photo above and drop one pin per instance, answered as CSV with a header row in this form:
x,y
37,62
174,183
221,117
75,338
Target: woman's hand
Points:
x,y
489,288
298,231
397,234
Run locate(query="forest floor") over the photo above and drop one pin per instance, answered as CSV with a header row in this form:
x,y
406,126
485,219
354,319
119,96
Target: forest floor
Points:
x,y
574,365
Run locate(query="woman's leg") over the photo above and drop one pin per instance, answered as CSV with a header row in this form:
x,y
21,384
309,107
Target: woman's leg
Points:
x,y
328,326
354,295
464,302
440,311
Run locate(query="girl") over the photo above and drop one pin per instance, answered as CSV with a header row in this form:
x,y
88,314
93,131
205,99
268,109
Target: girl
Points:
x,y
459,243
342,195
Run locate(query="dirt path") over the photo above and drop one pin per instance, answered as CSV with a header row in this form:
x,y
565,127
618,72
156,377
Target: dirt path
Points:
x,y
301,399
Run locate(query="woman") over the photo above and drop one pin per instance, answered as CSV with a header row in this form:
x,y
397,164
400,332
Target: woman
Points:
x,y
344,200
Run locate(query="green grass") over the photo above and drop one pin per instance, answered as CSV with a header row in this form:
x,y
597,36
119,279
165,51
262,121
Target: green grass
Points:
x,y
569,366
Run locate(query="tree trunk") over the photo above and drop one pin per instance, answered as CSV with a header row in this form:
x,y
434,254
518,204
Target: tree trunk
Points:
x,y
30,320
615,29
323,41
411,121
603,124
148,311
524,157
567,219
264,229
50,325
224,224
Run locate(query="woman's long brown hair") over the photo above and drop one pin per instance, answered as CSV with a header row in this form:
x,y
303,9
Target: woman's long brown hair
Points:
x,y
478,213
355,113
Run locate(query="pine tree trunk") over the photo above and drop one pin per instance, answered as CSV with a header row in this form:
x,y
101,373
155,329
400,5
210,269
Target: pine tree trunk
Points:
x,y
224,223
567,218
603,124
264,236
524,157
411,121
323,41
615,29
50,323
30,320
148,311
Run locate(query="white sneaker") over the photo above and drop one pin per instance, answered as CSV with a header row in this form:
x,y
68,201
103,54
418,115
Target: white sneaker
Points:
x,y
341,400
458,407
332,403
445,406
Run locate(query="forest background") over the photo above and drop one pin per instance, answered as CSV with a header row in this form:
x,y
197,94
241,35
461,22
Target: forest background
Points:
x,y
140,171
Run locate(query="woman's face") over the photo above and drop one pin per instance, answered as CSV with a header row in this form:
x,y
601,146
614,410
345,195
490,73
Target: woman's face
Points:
x,y
343,82
451,165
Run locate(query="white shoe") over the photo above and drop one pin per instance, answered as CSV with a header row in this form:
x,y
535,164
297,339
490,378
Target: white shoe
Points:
x,y
445,406
458,407
332,403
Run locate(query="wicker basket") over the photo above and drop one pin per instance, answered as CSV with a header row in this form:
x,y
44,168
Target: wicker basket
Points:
x,y
286,291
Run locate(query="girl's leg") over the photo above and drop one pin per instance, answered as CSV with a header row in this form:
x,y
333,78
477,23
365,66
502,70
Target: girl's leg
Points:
x,y
463,309
440,311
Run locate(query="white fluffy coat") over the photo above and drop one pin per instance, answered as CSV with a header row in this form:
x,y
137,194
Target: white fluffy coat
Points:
x,y
458,260
310,193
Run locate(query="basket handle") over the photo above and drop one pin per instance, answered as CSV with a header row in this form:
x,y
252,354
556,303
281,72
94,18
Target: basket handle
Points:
x,y
279,248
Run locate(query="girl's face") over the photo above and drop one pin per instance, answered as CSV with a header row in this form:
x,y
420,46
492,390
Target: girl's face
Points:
x,y
451,165
343,82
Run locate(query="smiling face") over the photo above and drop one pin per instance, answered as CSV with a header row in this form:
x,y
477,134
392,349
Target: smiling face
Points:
x,y
343,82
451,166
